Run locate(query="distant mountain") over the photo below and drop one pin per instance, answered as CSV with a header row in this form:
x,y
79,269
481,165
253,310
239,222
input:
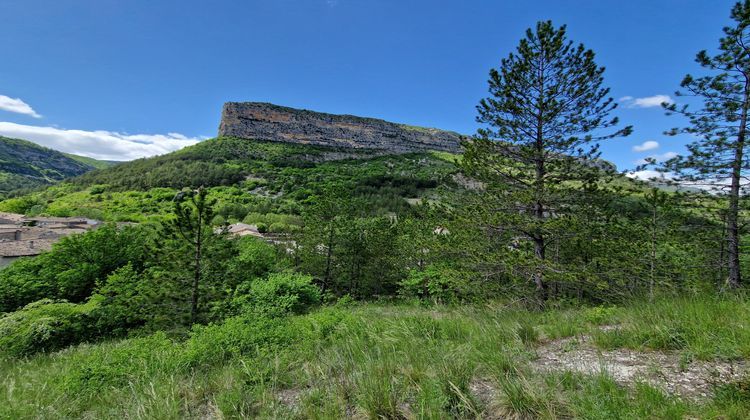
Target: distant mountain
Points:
x,y
96,164
25,165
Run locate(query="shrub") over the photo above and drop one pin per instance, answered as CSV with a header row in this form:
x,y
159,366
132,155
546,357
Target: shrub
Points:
x,y
262,227
599,314
71,270
239,336
44,326
253,217
97,189
438,283
122,302
277,227
256,258
116,364
19,205
21,283
256,336
278,295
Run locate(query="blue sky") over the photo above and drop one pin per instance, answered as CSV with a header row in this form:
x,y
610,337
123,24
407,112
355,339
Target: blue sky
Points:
x,y
120,79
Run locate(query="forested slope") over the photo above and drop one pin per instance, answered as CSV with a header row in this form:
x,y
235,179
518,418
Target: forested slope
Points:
x,y
25,165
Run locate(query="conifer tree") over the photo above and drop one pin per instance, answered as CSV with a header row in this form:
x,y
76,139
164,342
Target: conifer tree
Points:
x,y
717,160
192,224
546,111
324,219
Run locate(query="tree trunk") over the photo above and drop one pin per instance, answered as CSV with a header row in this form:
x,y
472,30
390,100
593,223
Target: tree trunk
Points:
x,y
733,230
541,285
197,278
722,251
653,253
329,256
539,243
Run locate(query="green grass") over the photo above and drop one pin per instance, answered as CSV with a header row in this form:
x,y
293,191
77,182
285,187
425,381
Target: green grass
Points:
x,y
702,328
374,361
94,163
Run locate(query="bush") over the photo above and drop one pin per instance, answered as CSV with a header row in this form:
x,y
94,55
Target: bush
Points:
x,y
45,326
262,227
599,314
256,258
23,282
438,283
117,364
239,336
277,227
19,205
71,270
257,336
97,189
122,302
281,294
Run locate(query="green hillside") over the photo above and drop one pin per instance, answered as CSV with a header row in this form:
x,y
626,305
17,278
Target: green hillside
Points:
x,y
25,165
94,163
380,292
247,177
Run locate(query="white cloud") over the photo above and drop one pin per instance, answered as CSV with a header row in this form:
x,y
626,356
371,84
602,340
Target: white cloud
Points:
x,y
647,145
666,156
16,105
659,158
649,174
646,102
106,145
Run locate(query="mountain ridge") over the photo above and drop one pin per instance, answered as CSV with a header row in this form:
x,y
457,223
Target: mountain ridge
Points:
x,y
270,122
25,164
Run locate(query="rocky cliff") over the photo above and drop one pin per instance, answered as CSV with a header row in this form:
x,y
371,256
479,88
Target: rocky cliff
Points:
x,y
263,121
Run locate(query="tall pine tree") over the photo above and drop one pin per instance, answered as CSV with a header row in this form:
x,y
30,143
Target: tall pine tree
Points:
x,y
192,225
717,160
546,111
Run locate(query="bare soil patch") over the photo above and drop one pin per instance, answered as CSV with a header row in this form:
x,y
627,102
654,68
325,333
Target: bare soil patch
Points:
x,y
290,397
664,370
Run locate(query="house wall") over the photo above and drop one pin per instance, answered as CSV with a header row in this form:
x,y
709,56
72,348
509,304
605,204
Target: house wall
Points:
x,y
10,235
5,261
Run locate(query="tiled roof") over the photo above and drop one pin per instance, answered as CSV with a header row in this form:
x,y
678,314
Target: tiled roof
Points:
x,y
25,248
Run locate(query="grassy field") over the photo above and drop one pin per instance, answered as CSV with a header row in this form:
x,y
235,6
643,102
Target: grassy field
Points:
x,y
388,361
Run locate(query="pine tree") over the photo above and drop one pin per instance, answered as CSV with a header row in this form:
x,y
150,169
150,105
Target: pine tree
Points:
x,y
546,111
717,160
324,218
192,224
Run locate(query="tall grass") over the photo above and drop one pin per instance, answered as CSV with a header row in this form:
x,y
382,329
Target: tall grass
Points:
x,y
702,327
381,361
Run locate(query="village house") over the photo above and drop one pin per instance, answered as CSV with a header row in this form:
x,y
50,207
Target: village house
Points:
x,y
244,229
22,236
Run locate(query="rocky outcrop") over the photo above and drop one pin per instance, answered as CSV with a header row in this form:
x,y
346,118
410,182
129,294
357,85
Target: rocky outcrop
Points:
x,y
263,121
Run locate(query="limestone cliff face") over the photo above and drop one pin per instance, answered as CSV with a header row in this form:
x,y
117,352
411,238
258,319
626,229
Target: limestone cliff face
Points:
x,y
263,121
